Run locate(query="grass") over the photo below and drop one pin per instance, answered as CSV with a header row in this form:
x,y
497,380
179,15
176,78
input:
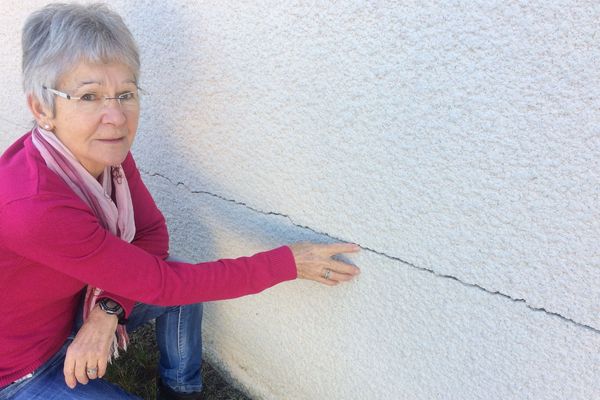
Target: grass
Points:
x,y
136,370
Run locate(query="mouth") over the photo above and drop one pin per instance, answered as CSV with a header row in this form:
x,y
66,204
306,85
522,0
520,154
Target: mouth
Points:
x,y
112,141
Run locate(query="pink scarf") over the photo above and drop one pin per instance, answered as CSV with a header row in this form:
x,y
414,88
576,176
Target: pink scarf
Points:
x,y
115,218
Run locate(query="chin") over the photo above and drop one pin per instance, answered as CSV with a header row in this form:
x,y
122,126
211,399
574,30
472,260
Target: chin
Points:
x,y
117,157
118,161
114,159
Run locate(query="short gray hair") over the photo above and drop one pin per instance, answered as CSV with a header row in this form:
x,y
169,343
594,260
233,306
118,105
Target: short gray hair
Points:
x,y
59,36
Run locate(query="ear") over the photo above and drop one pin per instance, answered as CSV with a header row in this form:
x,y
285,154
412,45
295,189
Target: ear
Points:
x,y
41,113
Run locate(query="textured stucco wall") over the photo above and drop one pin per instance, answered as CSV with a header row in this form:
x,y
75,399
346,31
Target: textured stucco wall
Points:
x,y
456,142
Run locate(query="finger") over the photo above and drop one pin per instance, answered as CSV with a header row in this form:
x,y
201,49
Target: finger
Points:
x,y
81,373
91,372
102,365
327,282
337,248
344,268
332,275
91,367
69,371
337,277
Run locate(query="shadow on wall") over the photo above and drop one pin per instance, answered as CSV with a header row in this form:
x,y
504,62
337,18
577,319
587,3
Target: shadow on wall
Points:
x,y
163,31
197,229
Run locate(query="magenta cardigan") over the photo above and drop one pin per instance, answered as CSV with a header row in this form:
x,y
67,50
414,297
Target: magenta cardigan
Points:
x,y
52,246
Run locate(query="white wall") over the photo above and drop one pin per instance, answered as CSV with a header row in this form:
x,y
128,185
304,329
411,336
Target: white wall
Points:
x,y
456,142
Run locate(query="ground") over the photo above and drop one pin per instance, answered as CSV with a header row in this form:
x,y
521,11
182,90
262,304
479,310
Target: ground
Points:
x,y
136,371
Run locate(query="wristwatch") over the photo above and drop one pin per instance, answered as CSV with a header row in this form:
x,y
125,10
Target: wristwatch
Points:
x,y
113,308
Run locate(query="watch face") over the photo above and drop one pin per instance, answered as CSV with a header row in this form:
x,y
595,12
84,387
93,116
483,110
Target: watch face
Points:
x,y
111,304
110,307
113,308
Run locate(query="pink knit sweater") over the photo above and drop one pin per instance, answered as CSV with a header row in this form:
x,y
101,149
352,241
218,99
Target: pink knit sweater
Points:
x,y
52,246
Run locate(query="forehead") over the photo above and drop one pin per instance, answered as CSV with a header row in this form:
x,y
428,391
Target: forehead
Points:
x,y
111,74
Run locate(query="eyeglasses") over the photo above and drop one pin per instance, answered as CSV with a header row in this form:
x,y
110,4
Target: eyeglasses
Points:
x,y
92,103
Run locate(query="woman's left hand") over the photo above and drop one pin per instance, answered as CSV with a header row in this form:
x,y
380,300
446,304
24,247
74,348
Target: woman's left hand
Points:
x,y
87,356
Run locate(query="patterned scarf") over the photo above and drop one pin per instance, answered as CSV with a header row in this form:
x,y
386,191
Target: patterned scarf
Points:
x,y
115,218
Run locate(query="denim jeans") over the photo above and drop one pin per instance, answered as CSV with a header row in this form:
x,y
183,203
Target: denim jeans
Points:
x,y
178,335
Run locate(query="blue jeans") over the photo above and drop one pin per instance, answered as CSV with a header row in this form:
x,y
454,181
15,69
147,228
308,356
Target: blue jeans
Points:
x,y
178,334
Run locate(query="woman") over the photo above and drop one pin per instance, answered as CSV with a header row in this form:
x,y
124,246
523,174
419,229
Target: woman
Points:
x,y
82,244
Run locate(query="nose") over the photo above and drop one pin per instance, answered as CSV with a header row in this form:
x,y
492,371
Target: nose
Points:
x,y
112,113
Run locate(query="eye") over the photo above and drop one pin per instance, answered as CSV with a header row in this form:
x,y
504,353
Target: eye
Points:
x,y
89,97
127,96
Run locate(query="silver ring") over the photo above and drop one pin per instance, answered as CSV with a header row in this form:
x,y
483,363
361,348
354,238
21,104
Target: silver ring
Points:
x,y
92,371
327,273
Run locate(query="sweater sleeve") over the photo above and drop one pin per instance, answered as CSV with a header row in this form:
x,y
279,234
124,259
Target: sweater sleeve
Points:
x,y
61,233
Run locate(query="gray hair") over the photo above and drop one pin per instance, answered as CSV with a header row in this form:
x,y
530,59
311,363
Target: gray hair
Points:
x,y
59,36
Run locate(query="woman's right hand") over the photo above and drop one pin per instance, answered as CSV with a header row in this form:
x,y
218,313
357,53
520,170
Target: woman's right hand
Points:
x,y
315,262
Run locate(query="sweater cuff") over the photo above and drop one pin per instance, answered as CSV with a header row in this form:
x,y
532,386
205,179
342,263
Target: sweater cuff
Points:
x,y
283,259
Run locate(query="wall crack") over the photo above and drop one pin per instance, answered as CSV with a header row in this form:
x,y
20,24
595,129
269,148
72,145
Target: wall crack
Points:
x,y
379,253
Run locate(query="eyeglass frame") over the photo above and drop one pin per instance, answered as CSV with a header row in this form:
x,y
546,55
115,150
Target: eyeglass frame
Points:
x,y
67,96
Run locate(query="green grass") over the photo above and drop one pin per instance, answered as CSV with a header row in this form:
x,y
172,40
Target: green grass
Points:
x,y
136,370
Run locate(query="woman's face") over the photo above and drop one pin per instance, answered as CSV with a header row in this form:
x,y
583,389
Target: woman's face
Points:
x,y
102,136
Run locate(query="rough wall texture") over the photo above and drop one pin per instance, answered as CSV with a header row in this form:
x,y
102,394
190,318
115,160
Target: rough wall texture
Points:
x,y
456,142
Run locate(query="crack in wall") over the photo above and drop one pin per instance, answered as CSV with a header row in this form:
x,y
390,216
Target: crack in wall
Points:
x,y
382,254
